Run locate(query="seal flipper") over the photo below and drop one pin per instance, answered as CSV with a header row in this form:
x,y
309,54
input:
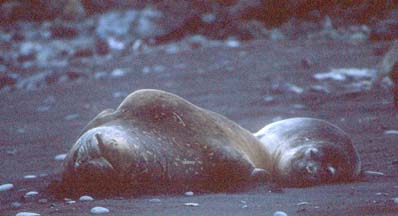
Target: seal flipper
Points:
x,y
260,175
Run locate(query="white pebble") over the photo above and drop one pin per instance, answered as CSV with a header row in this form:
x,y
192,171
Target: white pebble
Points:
x,y
16,205
30,177
395,200
86,198
71,116
70,202
99,210
189,193
27,214
118,73
5,187
60,157
31,193
191,204
279,213
232,43
391,132
146,70
154,200
302,203
374,173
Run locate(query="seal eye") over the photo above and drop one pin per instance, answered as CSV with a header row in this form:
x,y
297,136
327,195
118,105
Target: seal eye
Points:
x,y
331,170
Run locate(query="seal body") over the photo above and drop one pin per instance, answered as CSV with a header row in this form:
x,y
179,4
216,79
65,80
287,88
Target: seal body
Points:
x,y
158,141
308,151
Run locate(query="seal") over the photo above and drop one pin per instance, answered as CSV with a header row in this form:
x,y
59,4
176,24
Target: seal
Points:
x,y
156,141
309,151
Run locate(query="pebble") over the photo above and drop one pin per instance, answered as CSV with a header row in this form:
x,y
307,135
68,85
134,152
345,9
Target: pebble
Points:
x,y
30,177
27,214
43,201
31,193
118,73
6,187
72,116
16,205
99,210
395,200
302,203
11,152
189,193
279,213
374,173
42,108
391,132
232,43
86,198
70,202
115,44
60,157
191,204
154,200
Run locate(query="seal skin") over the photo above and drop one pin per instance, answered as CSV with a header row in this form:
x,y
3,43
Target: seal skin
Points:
x,y
157,141
308,151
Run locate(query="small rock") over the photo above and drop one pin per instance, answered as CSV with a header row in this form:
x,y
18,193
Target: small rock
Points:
x,y
155,200
115,44
31,193
42,108
119,94
269,98
381,194
27,214
71,116
189,193
279,213
232,43
6,187
391,132
191,204
70,202
302,203
16,205
86,198
11,152
21,130
146,70
30,177
60,157
294,88
373,173
99,210
395,200
118,73
43,201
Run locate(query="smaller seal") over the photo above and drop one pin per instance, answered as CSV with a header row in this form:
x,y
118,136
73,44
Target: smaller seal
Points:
x,y
308,151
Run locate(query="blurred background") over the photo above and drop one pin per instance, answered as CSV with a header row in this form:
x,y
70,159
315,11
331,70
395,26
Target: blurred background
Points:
x,y
44,42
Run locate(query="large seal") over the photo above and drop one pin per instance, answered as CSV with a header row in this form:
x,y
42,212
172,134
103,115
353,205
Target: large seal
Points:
x,y
158,141
308,151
